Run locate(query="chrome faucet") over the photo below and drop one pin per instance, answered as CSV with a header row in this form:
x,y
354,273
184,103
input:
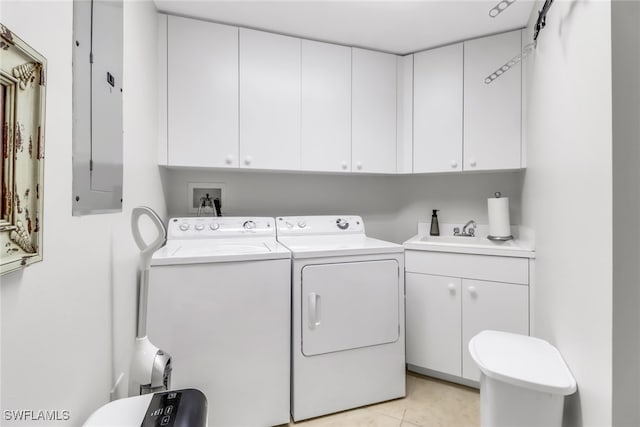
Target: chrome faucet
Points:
x,y
470,233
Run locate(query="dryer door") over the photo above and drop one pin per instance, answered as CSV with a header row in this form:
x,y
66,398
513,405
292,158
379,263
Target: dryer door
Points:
x,y
349,305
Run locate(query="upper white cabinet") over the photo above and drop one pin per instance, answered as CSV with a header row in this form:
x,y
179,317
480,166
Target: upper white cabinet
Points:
x,y
241,98
492,111
202,91
269,100
373,137
326,107
438,109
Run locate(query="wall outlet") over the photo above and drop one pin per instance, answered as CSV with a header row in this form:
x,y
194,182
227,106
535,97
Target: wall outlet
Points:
x,y
200,197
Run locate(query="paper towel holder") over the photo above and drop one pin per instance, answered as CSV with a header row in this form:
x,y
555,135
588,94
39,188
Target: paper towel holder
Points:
x,y
499,238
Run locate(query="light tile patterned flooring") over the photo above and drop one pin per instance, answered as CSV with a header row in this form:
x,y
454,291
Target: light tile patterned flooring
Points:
x,y
429,402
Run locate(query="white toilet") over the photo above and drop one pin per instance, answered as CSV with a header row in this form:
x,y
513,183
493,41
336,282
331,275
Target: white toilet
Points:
x,y
524,380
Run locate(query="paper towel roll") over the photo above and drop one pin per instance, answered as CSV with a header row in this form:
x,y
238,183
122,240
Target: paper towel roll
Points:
x,y
499,223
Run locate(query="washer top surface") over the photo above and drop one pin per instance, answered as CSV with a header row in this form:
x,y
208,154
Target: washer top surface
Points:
x,y
219,239
328,236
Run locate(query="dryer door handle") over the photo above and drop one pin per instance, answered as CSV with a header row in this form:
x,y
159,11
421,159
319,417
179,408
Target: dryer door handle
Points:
x,y
314,310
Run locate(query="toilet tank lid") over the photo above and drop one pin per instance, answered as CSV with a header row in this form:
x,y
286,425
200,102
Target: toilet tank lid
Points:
x,y
522,361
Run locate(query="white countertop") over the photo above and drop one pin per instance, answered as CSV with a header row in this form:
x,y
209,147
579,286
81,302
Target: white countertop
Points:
x,y
521,246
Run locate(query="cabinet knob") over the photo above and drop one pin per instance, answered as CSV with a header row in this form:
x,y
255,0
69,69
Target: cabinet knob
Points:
x,y
452,288
472,162
454,164
247,160
473,291
359,166
344,166
229,159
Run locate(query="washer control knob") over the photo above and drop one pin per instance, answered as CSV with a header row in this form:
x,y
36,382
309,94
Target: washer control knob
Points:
x,y
249,225
302,224
199,227
289,225
214,226
184,226
342,224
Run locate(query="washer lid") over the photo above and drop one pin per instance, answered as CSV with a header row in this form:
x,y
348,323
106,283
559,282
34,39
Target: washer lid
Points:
x,y
522,361
177,252
332,245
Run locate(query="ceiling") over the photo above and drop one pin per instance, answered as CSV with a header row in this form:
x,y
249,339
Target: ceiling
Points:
x,y
392,26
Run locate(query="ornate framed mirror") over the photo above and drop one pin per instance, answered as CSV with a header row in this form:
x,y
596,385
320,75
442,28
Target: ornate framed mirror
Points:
x,y
22,115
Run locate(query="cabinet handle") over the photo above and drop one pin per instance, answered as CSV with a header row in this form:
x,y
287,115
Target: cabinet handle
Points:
x,y
247,160
344,165
229,159
472,162
473,291
452,288
359,166
454,164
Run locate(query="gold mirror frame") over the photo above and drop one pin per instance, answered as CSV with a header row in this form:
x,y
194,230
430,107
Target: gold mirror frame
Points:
x,y
22,99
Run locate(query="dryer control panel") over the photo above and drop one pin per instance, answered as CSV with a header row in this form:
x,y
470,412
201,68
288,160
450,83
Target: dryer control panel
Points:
x,y
220,227
323,224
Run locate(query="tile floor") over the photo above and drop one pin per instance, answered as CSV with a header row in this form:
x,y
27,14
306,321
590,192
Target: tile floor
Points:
x,y
429,402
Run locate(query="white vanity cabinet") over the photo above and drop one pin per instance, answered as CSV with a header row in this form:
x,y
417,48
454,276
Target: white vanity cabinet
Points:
x,y
450,297
373,137
492,111
202,92
269,101
437,110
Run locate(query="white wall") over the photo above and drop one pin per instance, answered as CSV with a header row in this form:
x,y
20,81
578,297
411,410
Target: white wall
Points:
x,y
390,205
57,331
567,197
625,26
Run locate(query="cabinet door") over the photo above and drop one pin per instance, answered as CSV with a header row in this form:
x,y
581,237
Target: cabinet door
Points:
x,y
326,107
202,85
269,100
373,112
491,305
437,120
492,111
433,328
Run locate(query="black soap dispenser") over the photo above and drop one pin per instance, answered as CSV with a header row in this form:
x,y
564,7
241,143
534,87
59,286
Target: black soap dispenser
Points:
x,y
435,228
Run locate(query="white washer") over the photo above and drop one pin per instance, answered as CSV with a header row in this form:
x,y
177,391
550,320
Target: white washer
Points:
x,y
220,304
348,347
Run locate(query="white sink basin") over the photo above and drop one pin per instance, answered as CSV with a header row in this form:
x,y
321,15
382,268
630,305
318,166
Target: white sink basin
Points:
x,y
471,245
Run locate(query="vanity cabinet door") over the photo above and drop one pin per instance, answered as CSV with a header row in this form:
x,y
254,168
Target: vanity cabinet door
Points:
x,y
437,114
490,305
202,93
433,322
492,112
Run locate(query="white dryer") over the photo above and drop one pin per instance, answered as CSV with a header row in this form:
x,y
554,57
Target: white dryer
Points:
x,y
348,347
220,304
